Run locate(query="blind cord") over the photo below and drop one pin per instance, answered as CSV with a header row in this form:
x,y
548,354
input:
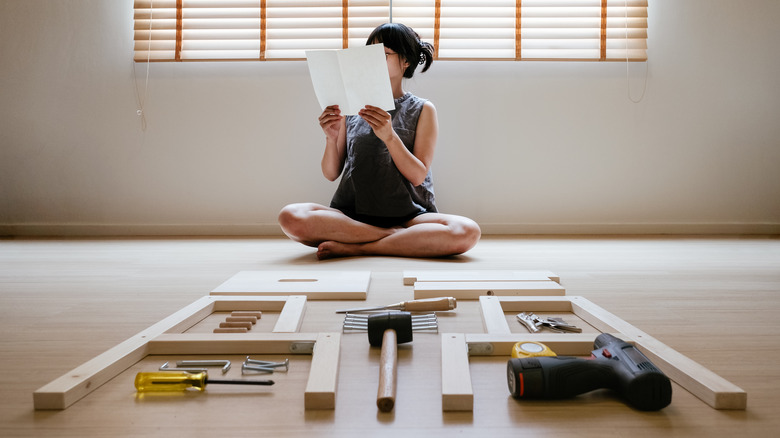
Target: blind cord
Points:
x,y
141,102
628,76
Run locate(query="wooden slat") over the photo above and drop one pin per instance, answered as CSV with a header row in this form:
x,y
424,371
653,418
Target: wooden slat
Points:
x,y
411,277
696,379
714,390
562,344
321,387
493,319
457,393
77,383
473,290
291,318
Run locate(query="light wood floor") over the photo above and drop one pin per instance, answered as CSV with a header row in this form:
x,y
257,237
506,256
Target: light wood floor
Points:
x,y
62,302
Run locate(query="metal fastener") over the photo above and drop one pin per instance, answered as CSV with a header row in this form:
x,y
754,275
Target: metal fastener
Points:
x,y
252,369
267,364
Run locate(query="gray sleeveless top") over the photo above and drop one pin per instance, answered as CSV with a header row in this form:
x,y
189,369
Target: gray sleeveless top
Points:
x,y
370,183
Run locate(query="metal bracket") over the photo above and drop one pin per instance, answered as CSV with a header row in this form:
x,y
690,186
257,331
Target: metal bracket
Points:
x,y
302,347
480,349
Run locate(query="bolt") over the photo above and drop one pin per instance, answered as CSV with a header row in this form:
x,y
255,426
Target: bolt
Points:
x,y
261,369
266,364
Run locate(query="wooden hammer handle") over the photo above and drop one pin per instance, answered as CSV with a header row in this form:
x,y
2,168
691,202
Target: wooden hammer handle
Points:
x,y
388,360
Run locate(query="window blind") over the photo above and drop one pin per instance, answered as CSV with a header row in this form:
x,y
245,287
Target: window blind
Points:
x,y
200,30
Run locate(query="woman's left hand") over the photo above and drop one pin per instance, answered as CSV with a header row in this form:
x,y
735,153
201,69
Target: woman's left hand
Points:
x,y
379,120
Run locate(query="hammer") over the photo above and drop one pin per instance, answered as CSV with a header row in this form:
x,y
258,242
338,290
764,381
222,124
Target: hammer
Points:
x,y
388,330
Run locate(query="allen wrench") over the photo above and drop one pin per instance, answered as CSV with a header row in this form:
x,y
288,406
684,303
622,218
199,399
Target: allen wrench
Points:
x,y
192,365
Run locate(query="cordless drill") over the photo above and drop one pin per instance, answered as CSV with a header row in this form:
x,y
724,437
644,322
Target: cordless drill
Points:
x,y
615,364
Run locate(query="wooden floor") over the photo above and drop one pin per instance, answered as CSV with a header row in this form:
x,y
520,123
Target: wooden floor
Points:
x,y
62,302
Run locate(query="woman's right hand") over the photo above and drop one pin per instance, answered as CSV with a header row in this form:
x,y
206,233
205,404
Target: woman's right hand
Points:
x,y
330,122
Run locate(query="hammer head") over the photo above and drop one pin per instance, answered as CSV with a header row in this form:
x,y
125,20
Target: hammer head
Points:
x,y
401,322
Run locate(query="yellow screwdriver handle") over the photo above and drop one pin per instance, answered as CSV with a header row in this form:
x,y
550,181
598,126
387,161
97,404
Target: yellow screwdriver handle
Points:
x,y
169,381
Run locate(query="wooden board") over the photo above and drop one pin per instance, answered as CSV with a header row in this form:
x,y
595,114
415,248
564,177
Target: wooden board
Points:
x,y
699,381
412,277
316,285
166,337
472,290
456,390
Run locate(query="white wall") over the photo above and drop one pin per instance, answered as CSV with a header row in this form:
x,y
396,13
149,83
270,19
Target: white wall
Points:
x,y
524,147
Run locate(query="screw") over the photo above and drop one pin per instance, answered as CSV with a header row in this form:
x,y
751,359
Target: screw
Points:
x,y
266,364
264,370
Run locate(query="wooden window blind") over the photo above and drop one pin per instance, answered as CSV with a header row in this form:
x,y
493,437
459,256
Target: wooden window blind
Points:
x,y
205,30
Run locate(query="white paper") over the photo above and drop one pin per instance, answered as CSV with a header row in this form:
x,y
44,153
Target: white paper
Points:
x,y
351,78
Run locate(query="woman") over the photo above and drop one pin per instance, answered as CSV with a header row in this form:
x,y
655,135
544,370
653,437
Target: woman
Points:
x,y
384,204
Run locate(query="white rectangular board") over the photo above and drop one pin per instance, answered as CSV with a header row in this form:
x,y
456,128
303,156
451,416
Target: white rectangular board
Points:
x,y
315,285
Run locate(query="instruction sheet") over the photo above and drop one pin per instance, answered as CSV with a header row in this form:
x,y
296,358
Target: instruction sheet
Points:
x,y
351,78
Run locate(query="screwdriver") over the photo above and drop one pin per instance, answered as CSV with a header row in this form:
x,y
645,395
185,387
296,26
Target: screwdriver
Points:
x,y
424,305
179,381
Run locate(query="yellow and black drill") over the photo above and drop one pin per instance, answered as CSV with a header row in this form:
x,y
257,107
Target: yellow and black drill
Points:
x,y
615,364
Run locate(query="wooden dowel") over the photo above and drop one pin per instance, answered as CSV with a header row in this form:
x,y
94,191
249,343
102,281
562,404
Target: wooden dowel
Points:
x,y
388,360
230,330
246,325
257,314
250,319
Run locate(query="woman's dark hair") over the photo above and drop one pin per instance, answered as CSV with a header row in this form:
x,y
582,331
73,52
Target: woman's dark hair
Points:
x,y
403,40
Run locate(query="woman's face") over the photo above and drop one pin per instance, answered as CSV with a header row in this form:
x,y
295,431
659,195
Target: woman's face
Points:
x,y
396,65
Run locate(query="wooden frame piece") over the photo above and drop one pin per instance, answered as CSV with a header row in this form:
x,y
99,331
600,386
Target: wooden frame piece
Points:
x,y
470,285
472,290
412,277
167,337
315,285
699,381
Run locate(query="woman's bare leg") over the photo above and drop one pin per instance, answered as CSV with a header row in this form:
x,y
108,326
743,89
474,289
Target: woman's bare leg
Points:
x,y
312,224
427,235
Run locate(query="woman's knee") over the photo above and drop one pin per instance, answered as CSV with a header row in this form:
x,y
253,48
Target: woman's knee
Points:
x,y
292,219
469,234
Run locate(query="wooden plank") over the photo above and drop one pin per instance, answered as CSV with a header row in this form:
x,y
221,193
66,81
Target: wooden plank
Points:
x,y
493,319
567,344
473,290
321,387
291,318
536,304
76,384
325,349
165,337
411,277
709,387
232,343
696,379
315,285
457,393
227,303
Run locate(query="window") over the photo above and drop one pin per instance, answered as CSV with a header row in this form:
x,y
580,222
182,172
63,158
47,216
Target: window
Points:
x,y
209,30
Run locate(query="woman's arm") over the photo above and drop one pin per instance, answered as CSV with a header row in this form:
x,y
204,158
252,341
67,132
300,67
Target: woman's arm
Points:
x,y
334,126
413,166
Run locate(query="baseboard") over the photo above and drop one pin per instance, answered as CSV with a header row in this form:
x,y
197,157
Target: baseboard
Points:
x,y
682,228
104,230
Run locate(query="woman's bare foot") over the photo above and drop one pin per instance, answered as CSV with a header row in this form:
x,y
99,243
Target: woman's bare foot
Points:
x,y
332,249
